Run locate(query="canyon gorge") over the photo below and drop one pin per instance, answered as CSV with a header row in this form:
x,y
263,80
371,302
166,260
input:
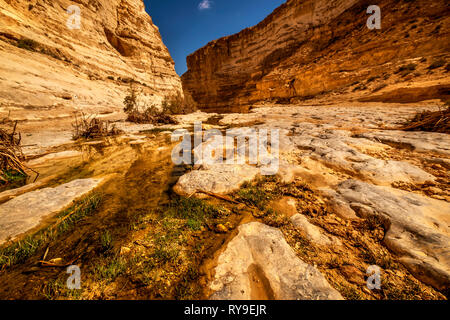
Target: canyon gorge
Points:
x,y
306,49
362,187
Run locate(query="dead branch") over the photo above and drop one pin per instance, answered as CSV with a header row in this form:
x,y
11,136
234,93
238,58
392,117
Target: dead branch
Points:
x,y
218,196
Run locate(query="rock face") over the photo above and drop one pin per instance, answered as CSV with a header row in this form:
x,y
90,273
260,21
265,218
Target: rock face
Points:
x,y
46,66
310,47
259,264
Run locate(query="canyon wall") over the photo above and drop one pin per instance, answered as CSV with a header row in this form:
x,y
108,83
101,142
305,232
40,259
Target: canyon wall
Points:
x,y
311,48
45,65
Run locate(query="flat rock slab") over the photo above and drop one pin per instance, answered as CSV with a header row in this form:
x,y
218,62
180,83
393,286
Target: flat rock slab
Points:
x,y
55,156
217,178
27,211
418,228
417,140
259,264
339,149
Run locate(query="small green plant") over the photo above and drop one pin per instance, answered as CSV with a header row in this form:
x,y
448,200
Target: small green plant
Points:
x,y
254,195
53,289
106,241
12,168
164,254
12,179
113,268
275,219
194,224
195,211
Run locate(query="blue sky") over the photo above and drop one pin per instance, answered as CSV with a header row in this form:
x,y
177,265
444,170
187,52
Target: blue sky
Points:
x,y
187,25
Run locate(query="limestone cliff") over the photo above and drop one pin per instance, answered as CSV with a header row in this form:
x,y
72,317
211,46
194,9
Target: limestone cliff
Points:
x,y
44,65
308,48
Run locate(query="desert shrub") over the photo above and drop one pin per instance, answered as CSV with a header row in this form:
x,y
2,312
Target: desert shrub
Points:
x,y
130,101
437,121
177,104
12,167
90,127
144,114
150,115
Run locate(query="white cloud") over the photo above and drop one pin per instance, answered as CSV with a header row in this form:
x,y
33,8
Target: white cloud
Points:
x,y
205,5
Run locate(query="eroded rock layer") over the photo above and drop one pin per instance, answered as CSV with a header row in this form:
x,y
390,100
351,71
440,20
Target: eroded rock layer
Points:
x,y
45,65
307,48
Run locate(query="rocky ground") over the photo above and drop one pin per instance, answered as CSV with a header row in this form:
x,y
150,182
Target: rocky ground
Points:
x,y
351,191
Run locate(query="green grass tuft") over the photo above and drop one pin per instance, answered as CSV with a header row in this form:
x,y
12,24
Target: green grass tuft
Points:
x,y
21,250
106,241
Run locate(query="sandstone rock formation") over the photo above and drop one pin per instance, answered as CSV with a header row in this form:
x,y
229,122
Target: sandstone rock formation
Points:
x,y
365,172
259,264
216,178
48,70
320,47
417,227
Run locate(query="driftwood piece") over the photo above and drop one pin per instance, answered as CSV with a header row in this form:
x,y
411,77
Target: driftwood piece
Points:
x,y
55,265
218,196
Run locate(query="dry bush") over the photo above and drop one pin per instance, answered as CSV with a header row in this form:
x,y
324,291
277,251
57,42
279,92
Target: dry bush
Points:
x,y
11,156
130,100
437,121
89,127
150,115
177,104
138,114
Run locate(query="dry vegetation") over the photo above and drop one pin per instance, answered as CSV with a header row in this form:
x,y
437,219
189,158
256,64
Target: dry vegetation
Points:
x,y
344,267
11,156
171,105
168,248
177,104
89,127
437,121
